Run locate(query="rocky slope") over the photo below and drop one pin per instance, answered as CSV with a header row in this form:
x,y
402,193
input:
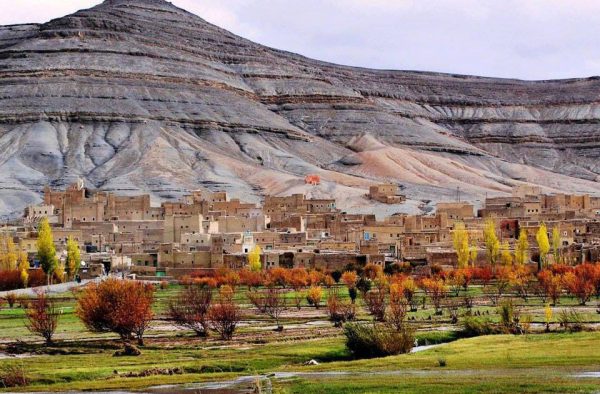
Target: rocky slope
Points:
x,y
139,95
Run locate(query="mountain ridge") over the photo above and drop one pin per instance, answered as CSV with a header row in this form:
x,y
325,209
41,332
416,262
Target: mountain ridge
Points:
x,y
140,95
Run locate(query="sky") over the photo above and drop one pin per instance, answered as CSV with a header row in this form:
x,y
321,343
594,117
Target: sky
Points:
x,y
526,39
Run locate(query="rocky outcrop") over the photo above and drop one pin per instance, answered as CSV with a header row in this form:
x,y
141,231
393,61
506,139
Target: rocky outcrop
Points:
x,y
139,95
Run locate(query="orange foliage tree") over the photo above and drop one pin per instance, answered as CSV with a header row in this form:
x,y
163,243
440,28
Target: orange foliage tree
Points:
x,y
42,317
119,306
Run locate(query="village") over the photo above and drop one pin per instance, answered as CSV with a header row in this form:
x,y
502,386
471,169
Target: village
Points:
x,y
207,231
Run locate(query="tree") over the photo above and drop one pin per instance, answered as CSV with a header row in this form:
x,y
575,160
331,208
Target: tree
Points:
x,y
254,263
45,248
543,244
581,282
42,317
339,311
492,244
274,305
314,295
224,315
522,248
349,278
375,302
398,309
119,306
436,290
551,285
24,268
556,244
190,307
8,254
73,258
460,240
506,258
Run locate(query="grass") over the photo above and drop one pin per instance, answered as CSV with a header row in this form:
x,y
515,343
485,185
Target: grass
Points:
x,y
496,364
534,363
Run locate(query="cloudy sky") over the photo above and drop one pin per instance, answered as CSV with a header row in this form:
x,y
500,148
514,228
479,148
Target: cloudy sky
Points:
x,y
528,39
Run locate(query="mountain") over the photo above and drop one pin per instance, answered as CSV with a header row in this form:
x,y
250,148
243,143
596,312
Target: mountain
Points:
x,y
139,95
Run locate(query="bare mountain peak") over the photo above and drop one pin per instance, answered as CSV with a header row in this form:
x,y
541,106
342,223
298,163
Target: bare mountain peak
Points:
x,y
139,95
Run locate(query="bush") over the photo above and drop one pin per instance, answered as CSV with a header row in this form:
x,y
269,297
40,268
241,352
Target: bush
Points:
x,y
13,376
377,340
11,299
509,316
120,306
10,280
442,362
474,327
571,320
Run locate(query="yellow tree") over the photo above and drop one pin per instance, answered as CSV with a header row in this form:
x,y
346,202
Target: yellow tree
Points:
x,y
556,244
473,253
254,259
460,239
543,244
24,268
8,253
45,245
492,244
73,258
506,258
522,248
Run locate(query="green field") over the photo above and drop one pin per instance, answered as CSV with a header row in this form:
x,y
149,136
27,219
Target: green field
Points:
x,y
534,363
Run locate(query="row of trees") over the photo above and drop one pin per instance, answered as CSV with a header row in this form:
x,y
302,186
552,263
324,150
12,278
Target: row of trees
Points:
x,y
125,307
500,252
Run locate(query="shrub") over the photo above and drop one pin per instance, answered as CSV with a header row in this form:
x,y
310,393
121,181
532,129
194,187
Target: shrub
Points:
x,y
442,362
42,317
11,299
10,280
13,376
473,327
352,293
571,320
377,340
508,315
190,307
119,306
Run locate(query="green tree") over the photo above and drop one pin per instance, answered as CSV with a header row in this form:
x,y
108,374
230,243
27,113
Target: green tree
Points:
x,y
45,248
460,239
492,244
543,244
522,248
556,244
73,258
254,259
